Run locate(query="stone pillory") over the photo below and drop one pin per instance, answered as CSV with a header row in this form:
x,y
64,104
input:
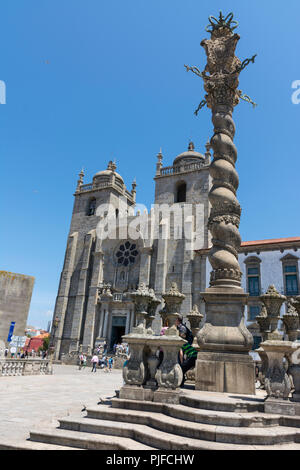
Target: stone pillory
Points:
x,y
223,363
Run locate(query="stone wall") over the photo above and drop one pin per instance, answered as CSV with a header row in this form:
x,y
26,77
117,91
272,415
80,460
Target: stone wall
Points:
x,y
15,297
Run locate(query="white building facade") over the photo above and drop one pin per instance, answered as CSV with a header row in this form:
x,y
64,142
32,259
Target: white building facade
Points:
x,y
263,263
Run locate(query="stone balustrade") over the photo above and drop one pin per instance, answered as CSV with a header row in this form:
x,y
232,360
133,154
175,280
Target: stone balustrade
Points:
x,y
152,372
280,374
172,170
106,184
17,367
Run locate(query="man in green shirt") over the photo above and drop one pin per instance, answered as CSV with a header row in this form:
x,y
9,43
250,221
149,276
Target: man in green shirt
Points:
x,y
187,354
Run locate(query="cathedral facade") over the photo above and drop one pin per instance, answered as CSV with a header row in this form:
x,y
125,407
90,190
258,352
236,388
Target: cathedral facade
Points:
x,y
112,248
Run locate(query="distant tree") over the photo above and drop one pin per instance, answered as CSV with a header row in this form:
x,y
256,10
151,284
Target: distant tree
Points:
x,y
46,342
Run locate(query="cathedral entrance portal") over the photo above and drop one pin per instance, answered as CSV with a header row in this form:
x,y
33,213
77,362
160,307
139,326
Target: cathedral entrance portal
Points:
x,y
117,330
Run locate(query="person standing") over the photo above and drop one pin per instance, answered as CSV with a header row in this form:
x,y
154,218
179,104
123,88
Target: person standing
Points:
x,y
80,361
84,361
110,364
187,354
94,362
187,357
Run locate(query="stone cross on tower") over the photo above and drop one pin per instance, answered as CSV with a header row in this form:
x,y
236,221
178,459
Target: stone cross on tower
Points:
x,y
224,363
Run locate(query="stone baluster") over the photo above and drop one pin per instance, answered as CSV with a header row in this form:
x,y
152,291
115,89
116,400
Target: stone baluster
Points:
x,y
296,303
173,300
143,380
141,298
273,302
263,322
152,306
274,352
169,374
294,358
294,371
195,318
291,322
152,361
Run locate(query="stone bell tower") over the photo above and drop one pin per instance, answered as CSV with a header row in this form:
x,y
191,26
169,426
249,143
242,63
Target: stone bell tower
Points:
x,y
76,309
183,189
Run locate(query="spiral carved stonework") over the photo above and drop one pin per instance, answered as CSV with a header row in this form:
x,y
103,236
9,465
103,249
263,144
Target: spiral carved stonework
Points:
x,y
222,95
224,340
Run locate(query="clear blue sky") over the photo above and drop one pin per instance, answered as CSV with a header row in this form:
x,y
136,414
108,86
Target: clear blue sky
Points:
x,y
88,81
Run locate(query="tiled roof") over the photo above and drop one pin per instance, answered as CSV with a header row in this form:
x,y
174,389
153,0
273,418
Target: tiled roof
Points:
x,y
269,244
271,241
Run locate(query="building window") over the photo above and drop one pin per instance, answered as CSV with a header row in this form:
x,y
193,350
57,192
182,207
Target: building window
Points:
x,y
291,283
126,254
290,275
253,312
253,281
181,193
253,276
91,207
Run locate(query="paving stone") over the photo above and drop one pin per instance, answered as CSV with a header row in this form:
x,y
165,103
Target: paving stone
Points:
x,y
30,401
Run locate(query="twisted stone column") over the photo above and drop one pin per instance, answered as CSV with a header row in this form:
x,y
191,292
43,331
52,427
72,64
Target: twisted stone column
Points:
x,y
223,363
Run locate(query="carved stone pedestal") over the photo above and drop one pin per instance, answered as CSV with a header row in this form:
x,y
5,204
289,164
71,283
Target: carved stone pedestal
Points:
x,y
294,371
224,363
135,392
277,382
163,395
225,372
279,406
169,375
144,380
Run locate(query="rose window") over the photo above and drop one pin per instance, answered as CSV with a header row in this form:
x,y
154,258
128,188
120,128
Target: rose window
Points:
x,y
126,254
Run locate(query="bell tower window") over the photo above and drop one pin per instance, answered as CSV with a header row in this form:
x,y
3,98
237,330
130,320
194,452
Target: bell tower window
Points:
x,y
181,192
91,207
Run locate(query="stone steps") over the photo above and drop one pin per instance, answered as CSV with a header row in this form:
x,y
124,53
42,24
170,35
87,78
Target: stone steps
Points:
x,y
217,418
158,439
31,445
202,421
69,439
174,426
216,402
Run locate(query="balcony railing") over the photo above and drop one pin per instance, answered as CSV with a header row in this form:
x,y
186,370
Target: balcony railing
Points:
x,y
106,184
172,170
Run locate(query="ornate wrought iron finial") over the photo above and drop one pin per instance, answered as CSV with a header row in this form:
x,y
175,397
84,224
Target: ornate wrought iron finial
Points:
x,y
223,22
